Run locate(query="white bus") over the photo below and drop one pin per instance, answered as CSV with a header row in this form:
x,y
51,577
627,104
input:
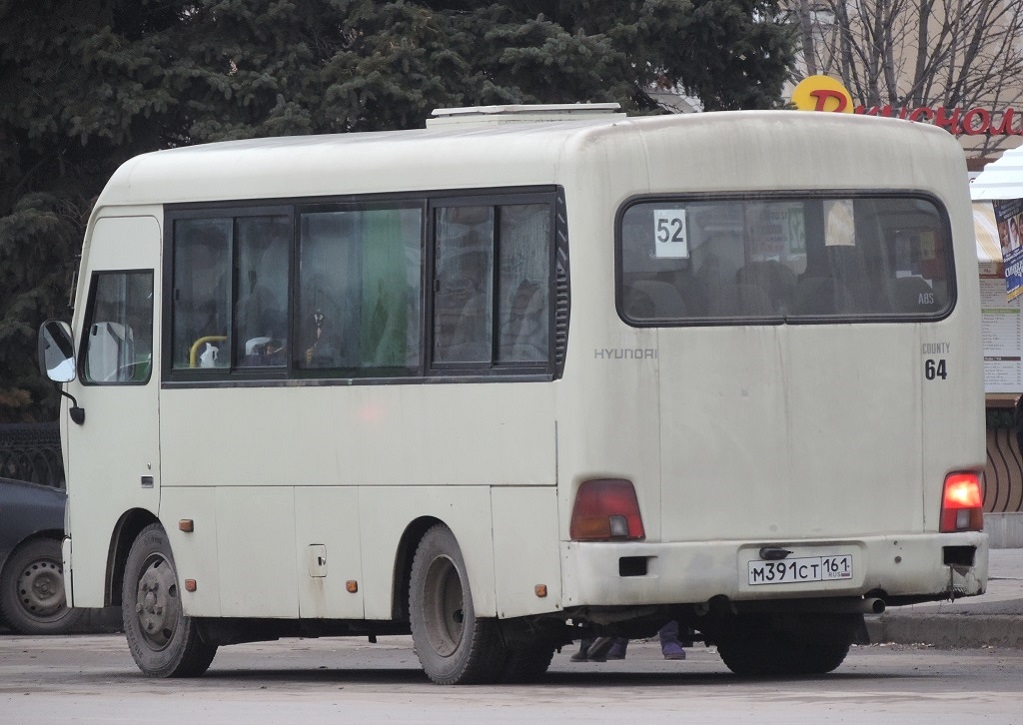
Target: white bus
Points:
x,y
528,375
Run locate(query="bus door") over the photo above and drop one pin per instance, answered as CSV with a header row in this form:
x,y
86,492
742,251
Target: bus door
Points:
x,y
114,454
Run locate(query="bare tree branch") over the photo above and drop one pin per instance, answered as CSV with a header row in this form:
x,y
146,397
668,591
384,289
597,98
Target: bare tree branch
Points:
x,y
938,54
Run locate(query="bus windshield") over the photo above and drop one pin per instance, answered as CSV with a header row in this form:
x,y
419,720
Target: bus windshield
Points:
x,y
783,259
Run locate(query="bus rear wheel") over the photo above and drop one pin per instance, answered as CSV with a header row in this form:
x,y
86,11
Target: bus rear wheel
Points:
x,y
527,664
758,647
163,641
453,645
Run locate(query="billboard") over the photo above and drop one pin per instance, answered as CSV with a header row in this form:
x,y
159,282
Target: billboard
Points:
x,y
1009,218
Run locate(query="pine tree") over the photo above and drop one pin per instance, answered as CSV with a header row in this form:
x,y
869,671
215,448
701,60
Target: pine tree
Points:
x,y
82,86
87,84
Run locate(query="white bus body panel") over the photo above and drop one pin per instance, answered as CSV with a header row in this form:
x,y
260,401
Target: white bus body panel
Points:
x,y
373,439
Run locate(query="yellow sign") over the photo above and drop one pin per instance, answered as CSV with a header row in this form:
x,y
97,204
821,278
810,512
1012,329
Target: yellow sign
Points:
x,y
822,93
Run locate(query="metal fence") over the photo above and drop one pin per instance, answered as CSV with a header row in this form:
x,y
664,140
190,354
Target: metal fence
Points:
x,y
31,452
1003,476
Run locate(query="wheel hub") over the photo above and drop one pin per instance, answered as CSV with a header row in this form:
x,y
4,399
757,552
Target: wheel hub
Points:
x,y
445,619
157,604
41,588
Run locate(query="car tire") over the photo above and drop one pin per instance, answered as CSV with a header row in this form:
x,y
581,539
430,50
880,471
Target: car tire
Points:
x,y
32,598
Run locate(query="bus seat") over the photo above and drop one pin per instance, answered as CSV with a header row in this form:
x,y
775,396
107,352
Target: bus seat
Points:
x,y
714,290
258,316
850,271
775,278
651,299
524,336
723,300
817,296
754,300
470,340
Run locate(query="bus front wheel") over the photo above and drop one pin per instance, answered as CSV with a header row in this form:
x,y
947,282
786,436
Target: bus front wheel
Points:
x,y
163,641
453,645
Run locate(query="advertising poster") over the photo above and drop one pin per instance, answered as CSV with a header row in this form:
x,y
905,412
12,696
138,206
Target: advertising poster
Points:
x,y
1002,330
1009,218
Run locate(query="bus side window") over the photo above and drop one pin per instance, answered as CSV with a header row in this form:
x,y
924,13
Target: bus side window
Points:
x,y
326,257
523,297
119,342
463,301
202,293
261,308
390,290
359,289
492,299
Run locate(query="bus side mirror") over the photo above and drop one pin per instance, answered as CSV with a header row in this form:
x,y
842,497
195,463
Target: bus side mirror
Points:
x,y
56,351
57,360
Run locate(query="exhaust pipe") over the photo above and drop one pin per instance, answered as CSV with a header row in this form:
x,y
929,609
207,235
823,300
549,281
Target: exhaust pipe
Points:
x,y
874,605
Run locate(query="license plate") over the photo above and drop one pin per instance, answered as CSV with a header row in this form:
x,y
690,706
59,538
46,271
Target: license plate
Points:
x,y
801,569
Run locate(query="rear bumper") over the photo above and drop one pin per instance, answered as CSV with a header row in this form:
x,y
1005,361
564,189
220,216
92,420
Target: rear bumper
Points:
x,y
900,567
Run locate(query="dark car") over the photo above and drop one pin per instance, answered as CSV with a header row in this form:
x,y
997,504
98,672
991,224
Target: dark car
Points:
x,y
31,571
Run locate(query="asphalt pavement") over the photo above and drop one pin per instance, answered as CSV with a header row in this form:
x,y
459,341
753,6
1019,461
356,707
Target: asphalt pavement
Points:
x,y
992,619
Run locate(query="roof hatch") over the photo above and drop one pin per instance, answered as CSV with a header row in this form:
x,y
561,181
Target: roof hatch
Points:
x,y
547,112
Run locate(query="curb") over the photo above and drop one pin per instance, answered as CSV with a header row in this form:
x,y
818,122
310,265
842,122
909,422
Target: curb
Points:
x,y
948,631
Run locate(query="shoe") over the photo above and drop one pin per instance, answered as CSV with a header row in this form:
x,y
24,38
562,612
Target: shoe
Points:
x,y
673,652
599,649
617,651
580,656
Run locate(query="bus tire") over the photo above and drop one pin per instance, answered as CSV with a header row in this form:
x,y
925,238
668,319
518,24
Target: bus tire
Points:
x,y
755,656
454,647
526,664
819,658
32,598
823,642
163,641
755,648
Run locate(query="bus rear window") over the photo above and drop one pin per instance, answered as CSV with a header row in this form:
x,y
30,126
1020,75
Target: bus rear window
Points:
x,y
783,259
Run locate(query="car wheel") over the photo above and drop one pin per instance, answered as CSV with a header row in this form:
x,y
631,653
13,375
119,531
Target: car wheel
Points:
x,y
32,599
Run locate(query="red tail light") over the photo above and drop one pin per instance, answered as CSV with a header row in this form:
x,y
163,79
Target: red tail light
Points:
x,y
962,503
606,509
